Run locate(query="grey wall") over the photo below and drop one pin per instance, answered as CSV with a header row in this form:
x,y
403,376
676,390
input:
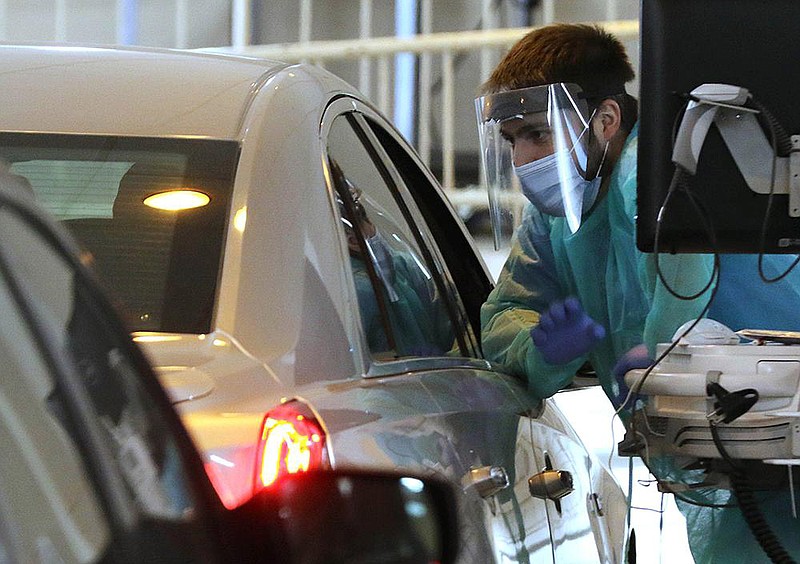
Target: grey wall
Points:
x,y
277,22
95,21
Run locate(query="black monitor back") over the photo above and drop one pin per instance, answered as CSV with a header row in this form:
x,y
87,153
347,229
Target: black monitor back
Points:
x,y
685,43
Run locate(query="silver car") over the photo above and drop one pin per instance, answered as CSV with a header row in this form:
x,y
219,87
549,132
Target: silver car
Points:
x,y
97,467
297,277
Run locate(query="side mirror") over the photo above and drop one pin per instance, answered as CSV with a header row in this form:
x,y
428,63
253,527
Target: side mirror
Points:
x,y
350,516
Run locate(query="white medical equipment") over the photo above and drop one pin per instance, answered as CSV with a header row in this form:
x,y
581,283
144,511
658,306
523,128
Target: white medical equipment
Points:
x,y
686,392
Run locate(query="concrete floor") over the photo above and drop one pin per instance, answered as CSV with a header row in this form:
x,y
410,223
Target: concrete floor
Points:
x,y
660,527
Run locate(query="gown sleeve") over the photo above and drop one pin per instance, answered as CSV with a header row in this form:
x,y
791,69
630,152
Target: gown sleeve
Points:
x,y
526,286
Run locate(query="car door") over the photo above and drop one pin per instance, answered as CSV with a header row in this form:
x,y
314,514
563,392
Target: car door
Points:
x,y
93,467
585,522
588,524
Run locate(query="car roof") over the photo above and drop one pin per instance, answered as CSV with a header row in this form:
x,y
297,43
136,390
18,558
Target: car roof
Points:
x,y
128,91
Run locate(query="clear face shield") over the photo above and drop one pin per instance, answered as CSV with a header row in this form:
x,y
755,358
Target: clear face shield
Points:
x,y
536,146
377,249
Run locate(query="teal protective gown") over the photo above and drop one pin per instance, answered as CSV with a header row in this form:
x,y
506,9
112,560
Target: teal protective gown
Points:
x,y
419,322
745,301
599,264
722,536
618,287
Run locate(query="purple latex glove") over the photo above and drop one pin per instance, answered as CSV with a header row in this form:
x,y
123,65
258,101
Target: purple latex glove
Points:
x,y
637,357
566,332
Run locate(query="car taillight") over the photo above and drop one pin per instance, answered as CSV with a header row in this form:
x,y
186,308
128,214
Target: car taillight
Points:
x,y
291,441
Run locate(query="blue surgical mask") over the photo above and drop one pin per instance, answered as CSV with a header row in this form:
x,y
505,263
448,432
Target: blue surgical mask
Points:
x,y
542,185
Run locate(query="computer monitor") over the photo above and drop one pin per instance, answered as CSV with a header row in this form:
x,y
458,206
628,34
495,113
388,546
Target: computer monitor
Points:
x,y
754,44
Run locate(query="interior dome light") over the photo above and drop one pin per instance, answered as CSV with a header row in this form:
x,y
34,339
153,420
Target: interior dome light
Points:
x,y
240,219
176,200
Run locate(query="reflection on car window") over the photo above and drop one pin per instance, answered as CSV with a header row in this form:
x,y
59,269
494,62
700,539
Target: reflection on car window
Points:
x,y
89,379
467,272
145,451
401,311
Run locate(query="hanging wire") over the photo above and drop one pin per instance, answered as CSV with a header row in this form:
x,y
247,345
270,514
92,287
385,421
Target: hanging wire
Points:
x,y
679,183
781,145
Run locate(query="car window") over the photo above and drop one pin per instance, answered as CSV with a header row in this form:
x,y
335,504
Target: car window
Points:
x,y
158,259
73,403
468,274
402,310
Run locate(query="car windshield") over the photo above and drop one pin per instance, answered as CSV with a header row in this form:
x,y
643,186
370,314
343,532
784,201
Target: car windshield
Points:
x,y
150,214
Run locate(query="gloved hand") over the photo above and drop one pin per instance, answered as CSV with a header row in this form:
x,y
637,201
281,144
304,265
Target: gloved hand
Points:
x,y
566,332
637,357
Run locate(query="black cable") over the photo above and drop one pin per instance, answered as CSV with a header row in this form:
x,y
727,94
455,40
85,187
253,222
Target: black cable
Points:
x,y
781,146
714,279
749,507
755,519
679,183
721,448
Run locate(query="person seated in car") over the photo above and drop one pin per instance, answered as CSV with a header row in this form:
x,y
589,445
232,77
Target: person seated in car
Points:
x,y
405,318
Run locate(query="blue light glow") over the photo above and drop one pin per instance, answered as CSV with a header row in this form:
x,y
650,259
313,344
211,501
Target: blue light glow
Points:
x,y
405,70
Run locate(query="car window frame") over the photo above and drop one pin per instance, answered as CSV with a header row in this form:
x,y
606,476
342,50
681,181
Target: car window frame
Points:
x,y
354,111
375,281
423,236
386,188
366,114
474,281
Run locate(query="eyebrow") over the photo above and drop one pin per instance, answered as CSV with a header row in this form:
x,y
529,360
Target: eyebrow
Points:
x,y
537,119
525,127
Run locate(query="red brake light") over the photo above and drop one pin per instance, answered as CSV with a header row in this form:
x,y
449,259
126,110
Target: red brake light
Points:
x,y
291,441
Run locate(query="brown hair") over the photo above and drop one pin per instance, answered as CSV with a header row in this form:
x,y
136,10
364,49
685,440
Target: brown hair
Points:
x,y
582,54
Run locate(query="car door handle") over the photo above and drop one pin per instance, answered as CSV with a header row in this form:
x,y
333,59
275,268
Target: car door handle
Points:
x,y
486,480
551,484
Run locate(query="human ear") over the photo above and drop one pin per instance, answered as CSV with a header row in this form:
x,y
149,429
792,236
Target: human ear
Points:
x,y
608,119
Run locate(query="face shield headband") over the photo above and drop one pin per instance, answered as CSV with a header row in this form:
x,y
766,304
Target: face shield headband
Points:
x,y
547,129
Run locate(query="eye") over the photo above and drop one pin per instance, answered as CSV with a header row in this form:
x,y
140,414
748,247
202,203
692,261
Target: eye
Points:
x,y
535,135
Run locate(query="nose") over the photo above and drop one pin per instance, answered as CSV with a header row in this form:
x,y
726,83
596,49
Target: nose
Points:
x,y
526,152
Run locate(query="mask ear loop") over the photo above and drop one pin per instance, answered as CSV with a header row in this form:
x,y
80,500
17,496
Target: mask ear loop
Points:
x,y
605,150
573,149
602,161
